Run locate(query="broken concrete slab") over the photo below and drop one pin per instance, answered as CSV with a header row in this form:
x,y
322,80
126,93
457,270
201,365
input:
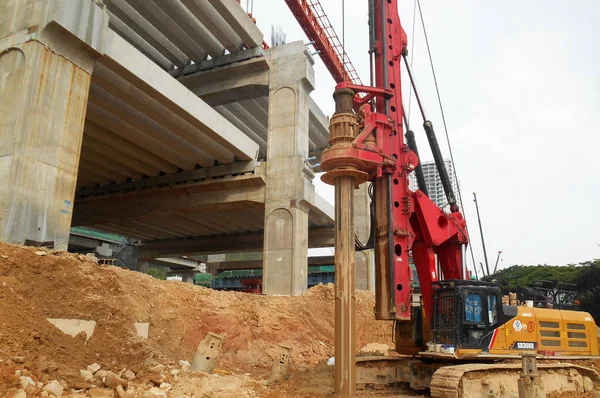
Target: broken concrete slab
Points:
x,y
142,329
73,327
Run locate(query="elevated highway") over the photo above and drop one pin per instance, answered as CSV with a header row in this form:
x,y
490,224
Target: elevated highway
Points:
x,y
165,121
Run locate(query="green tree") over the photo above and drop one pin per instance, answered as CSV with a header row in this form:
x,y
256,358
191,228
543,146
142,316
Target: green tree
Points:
x,y
586,276
589,288
158,272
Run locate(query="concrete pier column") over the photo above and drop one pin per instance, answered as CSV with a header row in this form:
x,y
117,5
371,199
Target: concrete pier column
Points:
x,y
289,187
46,60
364,267
142,266
188,276
213,262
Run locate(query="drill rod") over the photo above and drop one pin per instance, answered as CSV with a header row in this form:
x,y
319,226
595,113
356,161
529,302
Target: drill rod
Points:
x,y
345,328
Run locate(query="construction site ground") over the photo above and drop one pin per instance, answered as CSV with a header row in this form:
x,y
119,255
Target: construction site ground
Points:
x,y
35,356
37,359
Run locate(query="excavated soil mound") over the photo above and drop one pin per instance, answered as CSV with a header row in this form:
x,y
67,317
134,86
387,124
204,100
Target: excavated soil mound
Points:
x,y
35,285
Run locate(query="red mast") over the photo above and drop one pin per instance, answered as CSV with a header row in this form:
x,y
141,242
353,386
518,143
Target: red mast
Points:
x,y
315,23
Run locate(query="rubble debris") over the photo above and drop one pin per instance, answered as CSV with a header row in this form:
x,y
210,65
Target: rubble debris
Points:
x,y
94,367
26,381
86,375
54,388
98,392
128,375
112,381
20,394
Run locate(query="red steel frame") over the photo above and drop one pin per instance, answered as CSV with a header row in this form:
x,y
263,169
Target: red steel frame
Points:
x,y
418,225
318,28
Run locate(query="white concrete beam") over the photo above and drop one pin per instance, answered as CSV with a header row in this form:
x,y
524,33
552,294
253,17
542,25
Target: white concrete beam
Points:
x,y
91,168
139,42
240,22
150,78
105,163
250,132
231,83
215,24
128,93
133,150
178,263
259,108
223,60
104,119
117,155
175,10
247,242
248,118
172,29
175,178
319,123
231,193
148,32
88,172
129,116
324,209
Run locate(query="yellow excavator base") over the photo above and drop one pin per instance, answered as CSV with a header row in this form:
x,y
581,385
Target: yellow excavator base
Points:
x,y
447,377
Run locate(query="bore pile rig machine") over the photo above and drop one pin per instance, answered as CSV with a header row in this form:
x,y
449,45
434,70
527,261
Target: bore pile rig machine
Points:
x,y
370,142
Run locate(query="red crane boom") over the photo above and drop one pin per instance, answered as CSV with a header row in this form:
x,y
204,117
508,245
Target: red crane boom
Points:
x,y
315,23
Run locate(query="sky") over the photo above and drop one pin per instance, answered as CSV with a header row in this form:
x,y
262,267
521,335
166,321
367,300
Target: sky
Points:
x,y
520,87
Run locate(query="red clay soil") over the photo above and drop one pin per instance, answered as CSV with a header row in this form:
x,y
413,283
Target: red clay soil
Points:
x,y
34,287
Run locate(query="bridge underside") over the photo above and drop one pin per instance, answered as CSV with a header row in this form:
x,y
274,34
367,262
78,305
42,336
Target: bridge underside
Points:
x,y
190,218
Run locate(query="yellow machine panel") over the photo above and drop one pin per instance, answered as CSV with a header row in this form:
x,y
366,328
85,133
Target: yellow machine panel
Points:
x,y
547,331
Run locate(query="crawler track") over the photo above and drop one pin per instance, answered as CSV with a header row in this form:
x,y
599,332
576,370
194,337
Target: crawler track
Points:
x,y
461,381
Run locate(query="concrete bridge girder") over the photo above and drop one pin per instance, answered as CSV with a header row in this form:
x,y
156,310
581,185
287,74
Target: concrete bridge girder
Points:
x,y
184,31
239,90
72,37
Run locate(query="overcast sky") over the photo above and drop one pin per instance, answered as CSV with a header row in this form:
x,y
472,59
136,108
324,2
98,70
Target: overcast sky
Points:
x,y
520,85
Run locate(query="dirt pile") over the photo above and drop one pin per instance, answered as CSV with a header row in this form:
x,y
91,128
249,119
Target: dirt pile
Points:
x,y
36,285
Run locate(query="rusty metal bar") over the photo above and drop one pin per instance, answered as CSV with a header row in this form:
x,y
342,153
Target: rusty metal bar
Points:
x,y
344,174
345,328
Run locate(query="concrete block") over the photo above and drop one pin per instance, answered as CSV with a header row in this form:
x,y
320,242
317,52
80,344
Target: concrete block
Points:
x,y
86,375
55,388
281,364
94,368
73,327
142,329
207,353
26,381
20,394
104,250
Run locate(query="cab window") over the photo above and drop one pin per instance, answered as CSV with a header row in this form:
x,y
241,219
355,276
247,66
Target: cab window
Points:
x,y
473,307
492,309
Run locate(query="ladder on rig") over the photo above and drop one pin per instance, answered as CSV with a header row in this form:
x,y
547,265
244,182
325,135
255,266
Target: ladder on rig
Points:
x,y
319,30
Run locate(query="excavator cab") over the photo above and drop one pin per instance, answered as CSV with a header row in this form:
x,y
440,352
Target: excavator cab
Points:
x,y
465,313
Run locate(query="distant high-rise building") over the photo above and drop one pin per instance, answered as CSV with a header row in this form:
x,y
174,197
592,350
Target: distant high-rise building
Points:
x,y
435,189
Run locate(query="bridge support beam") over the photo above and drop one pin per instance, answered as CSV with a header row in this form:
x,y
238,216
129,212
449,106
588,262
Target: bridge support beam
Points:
x,y
46,60
365,260
142,266
289,187
187,276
